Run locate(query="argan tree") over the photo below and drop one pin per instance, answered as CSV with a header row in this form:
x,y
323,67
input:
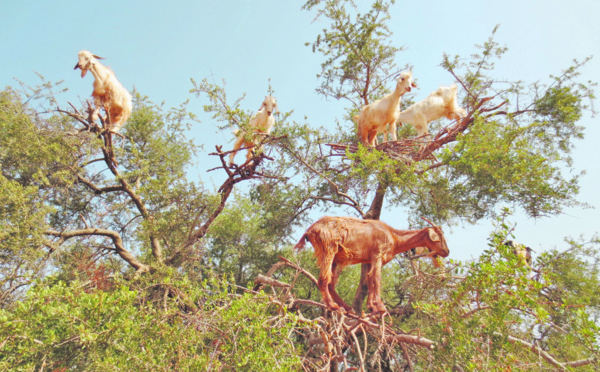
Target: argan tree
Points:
x,y
114,256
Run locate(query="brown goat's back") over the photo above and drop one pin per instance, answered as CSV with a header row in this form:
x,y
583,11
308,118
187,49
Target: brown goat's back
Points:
x,y
344,239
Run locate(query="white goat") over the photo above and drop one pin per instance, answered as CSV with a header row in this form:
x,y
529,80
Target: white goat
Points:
x,y
375,117
522,252
108,93
440,103
261,123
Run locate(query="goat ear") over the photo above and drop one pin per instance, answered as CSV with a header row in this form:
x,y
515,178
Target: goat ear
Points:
x,y
433,235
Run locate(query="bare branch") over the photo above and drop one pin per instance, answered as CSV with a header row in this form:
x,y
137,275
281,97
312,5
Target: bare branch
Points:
x,y
97,190
351,202
235,175
261,279
116,238
536,350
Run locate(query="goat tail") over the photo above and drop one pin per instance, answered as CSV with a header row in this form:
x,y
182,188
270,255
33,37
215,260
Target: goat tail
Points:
x,y
300,245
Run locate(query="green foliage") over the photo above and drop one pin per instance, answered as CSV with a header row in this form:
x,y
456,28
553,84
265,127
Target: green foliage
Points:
x,y
82,328
367,162
257,343
22,224
158,146
507,163
33,151
482,321
35,160
241,241
358,54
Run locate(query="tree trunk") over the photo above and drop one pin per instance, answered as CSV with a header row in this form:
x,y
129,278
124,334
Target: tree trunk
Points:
x,y
362,290
375,211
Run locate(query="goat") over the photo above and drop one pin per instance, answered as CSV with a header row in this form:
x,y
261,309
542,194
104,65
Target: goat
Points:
x,y
522,252
375,117
261,123
342,241
108,92
440,103
420,252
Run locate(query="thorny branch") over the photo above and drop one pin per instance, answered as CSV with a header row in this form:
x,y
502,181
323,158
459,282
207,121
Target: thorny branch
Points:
x,y
235,174
333,337
549,358
113,235
350,201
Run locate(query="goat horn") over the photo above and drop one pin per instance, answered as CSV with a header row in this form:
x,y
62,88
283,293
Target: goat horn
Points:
x,y
95,56
431,223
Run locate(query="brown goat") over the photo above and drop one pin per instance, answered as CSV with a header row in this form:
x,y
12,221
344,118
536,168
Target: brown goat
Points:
x,y
344,241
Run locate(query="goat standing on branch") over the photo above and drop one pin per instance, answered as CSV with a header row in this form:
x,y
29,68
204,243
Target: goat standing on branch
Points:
x,y
375,117
261,123
108,92
522,252
440,103
344,241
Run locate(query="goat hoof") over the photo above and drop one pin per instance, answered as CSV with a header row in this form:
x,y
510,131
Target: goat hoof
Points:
x,y
346,311
377,310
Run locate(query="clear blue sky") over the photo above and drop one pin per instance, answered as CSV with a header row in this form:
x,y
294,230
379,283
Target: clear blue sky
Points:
x,y
158,46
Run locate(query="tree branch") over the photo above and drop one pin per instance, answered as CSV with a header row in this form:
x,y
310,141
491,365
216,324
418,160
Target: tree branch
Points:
x,y
549,358
98,190
116,238
352,203
244,172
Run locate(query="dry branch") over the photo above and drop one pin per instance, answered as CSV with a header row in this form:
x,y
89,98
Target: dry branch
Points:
x,y
116,238
332,338
536,350
351,202
263,280
109,158
235,174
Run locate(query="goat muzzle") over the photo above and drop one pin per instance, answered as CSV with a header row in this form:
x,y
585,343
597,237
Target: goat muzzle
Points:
x,y
83,69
